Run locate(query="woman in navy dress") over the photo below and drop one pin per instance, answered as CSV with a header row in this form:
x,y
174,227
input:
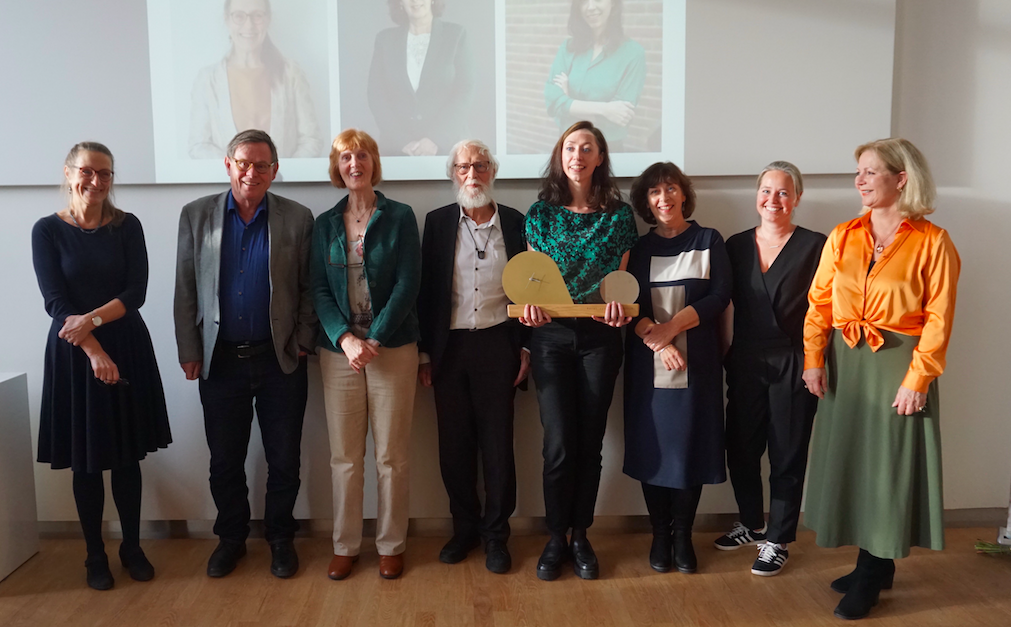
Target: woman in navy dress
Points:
x,y
103,407
673,371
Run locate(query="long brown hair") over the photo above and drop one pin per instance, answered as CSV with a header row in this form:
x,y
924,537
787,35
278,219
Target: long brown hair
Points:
x,y
604,193
109,210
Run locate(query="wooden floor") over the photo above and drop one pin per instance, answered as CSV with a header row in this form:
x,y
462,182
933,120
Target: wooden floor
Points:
x,y
955,587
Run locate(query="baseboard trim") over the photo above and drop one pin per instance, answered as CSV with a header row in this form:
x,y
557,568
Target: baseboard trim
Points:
x,y
428,527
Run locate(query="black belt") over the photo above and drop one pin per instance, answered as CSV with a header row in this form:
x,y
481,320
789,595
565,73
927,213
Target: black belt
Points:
x,y
244,350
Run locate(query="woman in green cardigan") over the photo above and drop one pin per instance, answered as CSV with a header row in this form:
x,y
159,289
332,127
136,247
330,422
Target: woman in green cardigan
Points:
x,y
366,273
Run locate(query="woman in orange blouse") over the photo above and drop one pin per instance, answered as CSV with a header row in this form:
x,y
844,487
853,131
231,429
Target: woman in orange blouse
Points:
x,y
886,286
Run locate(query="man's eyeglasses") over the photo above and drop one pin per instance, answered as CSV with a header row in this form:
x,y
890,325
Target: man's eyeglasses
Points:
x,y
239,18
103,175
261,167
479,166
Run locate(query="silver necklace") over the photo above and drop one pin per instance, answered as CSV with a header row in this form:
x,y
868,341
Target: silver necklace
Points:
x,y
78,224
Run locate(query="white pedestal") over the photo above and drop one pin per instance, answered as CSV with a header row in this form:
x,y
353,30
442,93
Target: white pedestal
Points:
x,y
19,533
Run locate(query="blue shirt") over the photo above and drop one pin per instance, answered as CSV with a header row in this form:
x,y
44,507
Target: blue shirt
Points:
x,y
244,291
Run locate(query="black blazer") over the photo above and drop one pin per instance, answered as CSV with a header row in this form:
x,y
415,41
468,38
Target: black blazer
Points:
x,y
440,108
438,250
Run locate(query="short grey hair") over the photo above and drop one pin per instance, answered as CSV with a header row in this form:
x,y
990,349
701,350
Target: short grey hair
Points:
x,y
470,143
252,136
789,168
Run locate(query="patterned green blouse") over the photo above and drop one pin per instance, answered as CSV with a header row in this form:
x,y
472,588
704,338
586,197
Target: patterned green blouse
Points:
x,y
585,246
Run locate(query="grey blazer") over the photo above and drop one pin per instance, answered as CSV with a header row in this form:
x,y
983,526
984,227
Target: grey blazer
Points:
x,y
198,269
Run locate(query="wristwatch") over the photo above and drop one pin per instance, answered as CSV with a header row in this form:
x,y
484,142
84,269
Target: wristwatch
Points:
x,y
96,320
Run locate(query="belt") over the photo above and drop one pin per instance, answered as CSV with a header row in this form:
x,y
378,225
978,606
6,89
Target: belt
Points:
x,y
244,350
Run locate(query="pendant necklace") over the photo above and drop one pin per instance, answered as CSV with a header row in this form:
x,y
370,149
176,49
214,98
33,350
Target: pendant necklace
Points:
x,y
78,224
480,251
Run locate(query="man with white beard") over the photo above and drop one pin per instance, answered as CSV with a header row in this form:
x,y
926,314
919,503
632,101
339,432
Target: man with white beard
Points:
x,y
472,353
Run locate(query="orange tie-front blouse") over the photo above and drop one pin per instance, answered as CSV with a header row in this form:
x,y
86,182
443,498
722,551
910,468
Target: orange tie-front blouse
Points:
x,y
910,290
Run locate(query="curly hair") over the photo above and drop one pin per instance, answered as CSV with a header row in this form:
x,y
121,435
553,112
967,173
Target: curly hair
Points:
x,y
657,174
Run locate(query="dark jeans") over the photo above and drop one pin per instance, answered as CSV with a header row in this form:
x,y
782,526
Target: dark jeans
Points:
x,y
575,363
228,396
474,402
767,404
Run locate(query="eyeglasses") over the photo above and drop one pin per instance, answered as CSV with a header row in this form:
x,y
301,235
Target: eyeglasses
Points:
x,y
479,166
103,175
262,167
239,18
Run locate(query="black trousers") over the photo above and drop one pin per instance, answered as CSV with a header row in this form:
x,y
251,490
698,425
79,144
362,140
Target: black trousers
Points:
x,y
228,395
575,363
474,403
768,405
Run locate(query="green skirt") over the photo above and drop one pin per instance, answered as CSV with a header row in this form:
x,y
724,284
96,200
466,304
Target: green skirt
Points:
x,y
875,476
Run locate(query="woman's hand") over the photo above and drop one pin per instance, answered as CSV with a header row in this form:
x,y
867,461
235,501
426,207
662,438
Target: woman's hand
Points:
x,y
76,328
425,374
658,336
533,316
358,352
620,112
614,315
562,81
815,381
104,368
907,402
672,358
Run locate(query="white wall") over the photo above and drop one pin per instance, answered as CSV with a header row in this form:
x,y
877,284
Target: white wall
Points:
x,y
950,97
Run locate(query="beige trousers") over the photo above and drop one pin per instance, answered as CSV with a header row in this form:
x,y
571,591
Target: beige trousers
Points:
x,y
382,396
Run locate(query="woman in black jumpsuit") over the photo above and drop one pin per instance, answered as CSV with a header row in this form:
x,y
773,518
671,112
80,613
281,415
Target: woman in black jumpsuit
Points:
x,y
767,404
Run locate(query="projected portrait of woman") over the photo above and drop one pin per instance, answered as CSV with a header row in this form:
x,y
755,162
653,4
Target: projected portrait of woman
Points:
x,y
420,84
598,73
253,87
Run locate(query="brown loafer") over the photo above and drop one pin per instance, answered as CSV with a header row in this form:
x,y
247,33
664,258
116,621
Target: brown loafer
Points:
x,y
390,566
340,566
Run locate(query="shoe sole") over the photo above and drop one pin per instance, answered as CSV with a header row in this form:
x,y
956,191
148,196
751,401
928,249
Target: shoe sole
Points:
x,y
687,571
390,576
282,574
587,573
661,569
549,575
766,573
734,548
839,614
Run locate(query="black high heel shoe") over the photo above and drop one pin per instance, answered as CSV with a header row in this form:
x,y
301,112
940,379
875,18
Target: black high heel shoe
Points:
x,y
136,563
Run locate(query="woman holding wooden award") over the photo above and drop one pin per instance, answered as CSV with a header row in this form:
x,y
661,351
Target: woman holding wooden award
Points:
x,y
581,222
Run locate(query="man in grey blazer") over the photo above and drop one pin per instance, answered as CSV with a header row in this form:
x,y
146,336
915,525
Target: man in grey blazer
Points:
x,y
244,323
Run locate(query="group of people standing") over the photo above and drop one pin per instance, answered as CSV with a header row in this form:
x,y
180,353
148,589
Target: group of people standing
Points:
x,y
860,319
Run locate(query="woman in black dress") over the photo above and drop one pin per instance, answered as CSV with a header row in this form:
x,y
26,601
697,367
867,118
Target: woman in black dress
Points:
x,y
103,407
767,404
673,378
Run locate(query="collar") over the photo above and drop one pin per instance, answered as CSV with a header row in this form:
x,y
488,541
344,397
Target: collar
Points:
x,y
494,222
342,204
232,206
864,222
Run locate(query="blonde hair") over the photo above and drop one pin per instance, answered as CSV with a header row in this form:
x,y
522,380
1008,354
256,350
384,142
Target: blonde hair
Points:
x,y
354,139
916,198
109,210
788,168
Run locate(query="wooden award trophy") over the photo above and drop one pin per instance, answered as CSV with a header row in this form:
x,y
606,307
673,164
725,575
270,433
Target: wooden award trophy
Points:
x,y
532,278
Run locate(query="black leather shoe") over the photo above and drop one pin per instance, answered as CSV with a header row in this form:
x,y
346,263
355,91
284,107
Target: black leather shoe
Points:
x,y
497,558
225,558
283,559
549,566
457,548
660,553
99,575
136,562
684,552
857,604
584,560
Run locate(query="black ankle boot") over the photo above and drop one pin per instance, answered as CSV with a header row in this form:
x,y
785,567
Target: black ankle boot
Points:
x,y
843,584
136,563
660,553
584,560
865,586
684,552
99,575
